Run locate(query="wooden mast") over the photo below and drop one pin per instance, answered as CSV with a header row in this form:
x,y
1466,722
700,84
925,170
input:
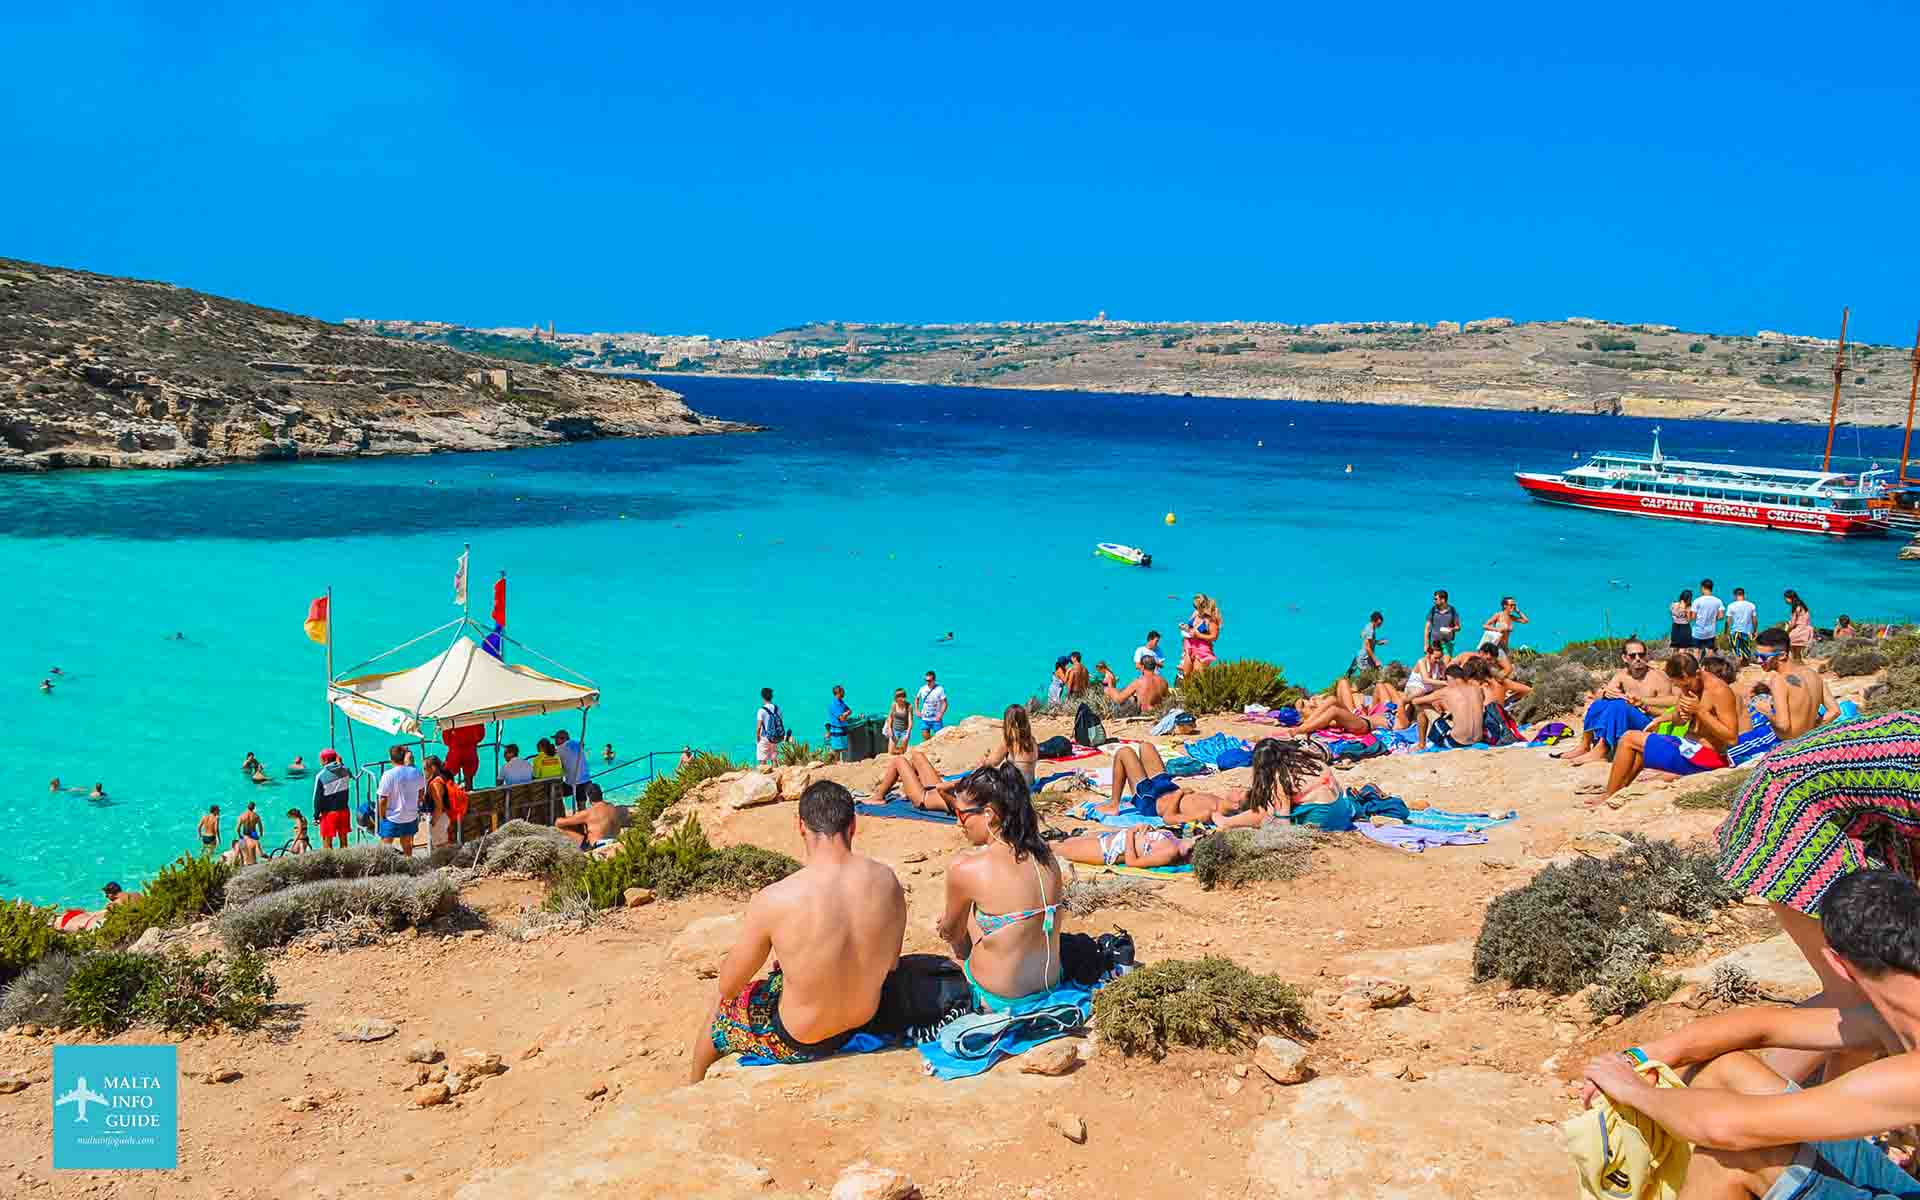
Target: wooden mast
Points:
x,y
1913,392
1839,373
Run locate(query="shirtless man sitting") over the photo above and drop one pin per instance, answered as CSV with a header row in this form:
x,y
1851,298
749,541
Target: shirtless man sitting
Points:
x,y
1756,1134
597,824
1146,691
1712,714
1628,701
1799,693
1453,715
834,928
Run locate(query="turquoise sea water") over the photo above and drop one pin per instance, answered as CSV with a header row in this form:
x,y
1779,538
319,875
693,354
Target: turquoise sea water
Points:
x,y
684,574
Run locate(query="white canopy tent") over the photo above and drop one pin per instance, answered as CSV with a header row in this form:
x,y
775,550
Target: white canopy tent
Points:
x,y
462,685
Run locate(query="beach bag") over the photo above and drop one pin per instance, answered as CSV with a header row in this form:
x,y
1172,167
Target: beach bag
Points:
x,y
1087,960
776,724
1494,729
1056,747
1087,729
918,994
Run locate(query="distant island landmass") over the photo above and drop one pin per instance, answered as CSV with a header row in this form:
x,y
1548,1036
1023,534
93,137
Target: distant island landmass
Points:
x,y
1580,364
99,371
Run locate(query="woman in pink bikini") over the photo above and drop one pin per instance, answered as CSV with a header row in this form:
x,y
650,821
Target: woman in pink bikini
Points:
x,y
1198,634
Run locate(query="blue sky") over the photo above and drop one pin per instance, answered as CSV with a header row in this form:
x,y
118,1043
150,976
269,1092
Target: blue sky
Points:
x,y
1723,167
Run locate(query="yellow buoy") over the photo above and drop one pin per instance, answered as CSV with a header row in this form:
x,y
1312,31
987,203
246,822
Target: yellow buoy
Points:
x,y
1170,518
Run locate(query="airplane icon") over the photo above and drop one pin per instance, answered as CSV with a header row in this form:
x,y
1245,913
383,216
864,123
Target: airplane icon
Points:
x,y
80,1097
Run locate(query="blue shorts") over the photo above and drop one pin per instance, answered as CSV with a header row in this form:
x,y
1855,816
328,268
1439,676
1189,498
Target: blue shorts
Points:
x,y
1850,1170
1680,756
929,727
1147,793
837,741
399,829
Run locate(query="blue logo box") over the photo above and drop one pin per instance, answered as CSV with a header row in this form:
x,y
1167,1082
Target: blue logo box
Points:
x,y
116,1108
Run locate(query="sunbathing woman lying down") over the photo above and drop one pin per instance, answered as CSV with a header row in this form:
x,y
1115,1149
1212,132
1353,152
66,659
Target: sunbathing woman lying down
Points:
x,y
1286,772
1134,846
921,783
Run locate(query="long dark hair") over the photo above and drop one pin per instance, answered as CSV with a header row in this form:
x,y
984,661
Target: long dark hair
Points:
x,y
1282,762
1794,602
1017,730
1004,790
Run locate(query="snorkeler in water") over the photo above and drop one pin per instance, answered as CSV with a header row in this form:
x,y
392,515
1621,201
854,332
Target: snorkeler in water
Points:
x,y
943,641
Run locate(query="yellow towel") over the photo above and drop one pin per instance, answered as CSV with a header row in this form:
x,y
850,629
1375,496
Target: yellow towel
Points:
x,y
1622,1155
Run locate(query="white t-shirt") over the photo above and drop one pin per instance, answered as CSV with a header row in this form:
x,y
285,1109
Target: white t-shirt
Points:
x,y
1706,615
1143,652
400,787
1368,634
573,764
932,702
1742,616
520,770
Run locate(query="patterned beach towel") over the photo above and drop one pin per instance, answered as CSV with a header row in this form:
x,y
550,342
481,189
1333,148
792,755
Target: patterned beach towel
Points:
x,y
1843,798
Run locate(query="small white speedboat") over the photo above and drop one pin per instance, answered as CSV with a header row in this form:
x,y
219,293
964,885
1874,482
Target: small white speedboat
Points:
x,y
1131,555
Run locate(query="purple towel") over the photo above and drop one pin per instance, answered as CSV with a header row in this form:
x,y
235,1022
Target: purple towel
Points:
x,y
1414,840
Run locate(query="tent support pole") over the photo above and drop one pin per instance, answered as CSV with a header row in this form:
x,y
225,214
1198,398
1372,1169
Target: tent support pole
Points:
x,y
331,735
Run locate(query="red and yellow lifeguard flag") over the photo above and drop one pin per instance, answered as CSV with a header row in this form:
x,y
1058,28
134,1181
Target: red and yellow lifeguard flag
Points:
x,y
317,620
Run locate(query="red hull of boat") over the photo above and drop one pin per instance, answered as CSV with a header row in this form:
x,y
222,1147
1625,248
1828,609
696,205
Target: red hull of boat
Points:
x,y
1713,512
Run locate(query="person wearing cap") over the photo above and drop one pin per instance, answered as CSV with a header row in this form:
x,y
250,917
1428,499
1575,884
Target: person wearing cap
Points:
x,y
1150,649
573,766
118,895
333,799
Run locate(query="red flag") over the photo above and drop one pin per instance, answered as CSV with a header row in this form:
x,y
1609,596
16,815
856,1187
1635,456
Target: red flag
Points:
x,y
317,620
500,601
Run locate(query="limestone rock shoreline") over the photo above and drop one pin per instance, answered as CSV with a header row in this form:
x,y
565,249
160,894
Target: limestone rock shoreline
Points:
x,y
102,372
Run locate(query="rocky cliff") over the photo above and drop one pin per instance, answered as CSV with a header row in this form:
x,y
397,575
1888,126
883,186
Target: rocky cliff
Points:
x,y
97,371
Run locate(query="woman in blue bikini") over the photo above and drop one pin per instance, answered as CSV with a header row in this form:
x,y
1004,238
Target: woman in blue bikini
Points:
x,y
1003,896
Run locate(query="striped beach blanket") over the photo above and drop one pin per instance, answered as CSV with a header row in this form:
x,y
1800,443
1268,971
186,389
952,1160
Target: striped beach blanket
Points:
x,y
1843,798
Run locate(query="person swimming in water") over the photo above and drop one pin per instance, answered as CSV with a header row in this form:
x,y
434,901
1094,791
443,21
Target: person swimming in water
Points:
x,y
945,639
298,766
46,685
99,792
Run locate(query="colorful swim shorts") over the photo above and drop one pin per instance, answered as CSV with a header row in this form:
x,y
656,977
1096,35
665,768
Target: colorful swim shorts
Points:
x,y
1681,756
749,1025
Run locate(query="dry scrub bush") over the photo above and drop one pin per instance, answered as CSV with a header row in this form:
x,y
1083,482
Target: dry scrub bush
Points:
x,y
1089,894
1236,857
1560,688
1856,660
520,847
1900,691
37,995
290,870
1212,1004
395,901
1571,925
1721,793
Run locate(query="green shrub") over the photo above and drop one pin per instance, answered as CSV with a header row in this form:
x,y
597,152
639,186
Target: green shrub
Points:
x,y
1597,654
27,935
289,870
1212,1004
1312,347
664,791
102,990
394,901
1232,685
1720,794
38,995
185,890
186,992
1236,857
1603,341
1559,931
1697,348
680,864
1857,660
793,753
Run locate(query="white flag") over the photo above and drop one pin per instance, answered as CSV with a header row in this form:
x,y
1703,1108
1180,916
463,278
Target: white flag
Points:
x,y
460,581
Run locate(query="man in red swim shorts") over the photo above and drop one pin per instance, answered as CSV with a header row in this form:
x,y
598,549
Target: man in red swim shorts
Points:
x,y
332,799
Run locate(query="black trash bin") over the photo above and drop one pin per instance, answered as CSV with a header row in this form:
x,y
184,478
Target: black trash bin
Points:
x,y
866,739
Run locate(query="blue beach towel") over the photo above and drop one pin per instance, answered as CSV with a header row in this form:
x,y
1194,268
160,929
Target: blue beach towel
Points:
x,y
1120,820
1351,809
1003,1035
1437,818
902,809
1209,749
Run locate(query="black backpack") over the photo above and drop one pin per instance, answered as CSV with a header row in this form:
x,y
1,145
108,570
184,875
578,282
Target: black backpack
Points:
x,y
919,993
1087,729
1055,747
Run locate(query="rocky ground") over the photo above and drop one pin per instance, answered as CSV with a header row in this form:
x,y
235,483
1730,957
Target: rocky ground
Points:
x,y
97,371
1423,1082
